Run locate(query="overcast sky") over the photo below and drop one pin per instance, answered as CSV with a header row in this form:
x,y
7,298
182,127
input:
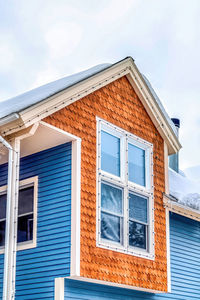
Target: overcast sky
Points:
x,y
42,40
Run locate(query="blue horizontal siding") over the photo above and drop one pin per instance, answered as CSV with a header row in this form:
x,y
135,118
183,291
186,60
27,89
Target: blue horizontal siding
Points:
x,y
38,267
185,268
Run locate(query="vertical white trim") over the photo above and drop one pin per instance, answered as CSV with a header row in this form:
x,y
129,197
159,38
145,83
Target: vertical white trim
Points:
x,y
167,218
11,226
59,290
166,169
168,250
75,208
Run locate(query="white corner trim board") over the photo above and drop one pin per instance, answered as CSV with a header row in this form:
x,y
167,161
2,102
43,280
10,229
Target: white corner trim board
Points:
x,y
75,208
168,251
59,290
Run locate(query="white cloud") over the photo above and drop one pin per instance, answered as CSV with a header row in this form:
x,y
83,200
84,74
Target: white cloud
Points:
x,y
62,39
7,53
114,10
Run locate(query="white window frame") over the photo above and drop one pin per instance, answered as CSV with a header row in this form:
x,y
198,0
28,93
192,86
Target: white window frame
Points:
x,y
33,181
128,187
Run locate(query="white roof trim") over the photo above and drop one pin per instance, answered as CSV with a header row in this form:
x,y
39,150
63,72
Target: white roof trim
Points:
x,y
73,93
180,209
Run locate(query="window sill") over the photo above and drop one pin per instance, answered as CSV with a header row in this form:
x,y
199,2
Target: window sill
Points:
x,y
130,251
22,246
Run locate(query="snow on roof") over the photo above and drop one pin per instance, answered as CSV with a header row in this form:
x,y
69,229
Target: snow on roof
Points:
x,y
25,100
34,96
185,190
160,105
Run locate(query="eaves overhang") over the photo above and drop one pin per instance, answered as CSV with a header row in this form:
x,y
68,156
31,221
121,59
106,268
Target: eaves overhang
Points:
x,y
173,205
126,67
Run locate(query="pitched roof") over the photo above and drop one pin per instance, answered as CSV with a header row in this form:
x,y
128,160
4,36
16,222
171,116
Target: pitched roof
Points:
x,y
25,100
24,110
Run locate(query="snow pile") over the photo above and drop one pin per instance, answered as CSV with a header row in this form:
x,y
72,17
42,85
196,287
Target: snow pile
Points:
x,y
185,190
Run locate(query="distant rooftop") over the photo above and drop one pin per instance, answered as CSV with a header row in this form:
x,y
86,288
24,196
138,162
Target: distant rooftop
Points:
x,y
185,190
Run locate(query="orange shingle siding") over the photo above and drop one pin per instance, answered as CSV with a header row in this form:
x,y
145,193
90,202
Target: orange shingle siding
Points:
x,y
117,103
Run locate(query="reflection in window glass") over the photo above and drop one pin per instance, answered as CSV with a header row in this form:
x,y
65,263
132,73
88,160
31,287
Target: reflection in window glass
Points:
x,y
111,213
25,200
2,233
137,235
110,227
25,215
25,228
3,206
138,219
110,153
136,165
111,198
138,208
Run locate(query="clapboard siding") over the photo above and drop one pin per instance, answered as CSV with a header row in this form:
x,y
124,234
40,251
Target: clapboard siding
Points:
x,y
38,267
185,268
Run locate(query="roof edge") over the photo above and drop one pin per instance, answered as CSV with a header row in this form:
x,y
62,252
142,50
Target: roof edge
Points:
x,y
185,211
90,84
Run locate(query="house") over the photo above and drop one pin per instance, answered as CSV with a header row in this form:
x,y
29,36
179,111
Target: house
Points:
x,y
86,209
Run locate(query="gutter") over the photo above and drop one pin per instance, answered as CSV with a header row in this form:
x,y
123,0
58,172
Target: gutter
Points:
x,y
172,204
11,215
8,119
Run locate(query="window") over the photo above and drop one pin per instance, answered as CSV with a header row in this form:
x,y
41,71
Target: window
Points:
x,y
27,211
125,192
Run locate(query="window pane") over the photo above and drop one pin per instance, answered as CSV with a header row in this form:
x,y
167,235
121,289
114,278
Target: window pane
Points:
x,y
111,198
2,233
25,228
138,208
25,201
137,235
136,164
3,199
110,153
110,227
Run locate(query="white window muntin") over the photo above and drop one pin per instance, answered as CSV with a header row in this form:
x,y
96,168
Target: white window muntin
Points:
x,y
123,182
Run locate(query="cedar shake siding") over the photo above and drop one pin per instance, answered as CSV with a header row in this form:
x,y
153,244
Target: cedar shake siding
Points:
x,y
118,104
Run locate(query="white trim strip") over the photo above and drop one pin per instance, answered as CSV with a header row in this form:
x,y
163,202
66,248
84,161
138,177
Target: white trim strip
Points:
x,y
75,208
59,291
119,285
168,250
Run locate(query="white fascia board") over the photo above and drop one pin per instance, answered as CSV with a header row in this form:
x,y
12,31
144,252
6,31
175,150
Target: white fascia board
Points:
x,y
153,109
181,209
68,96
113,284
